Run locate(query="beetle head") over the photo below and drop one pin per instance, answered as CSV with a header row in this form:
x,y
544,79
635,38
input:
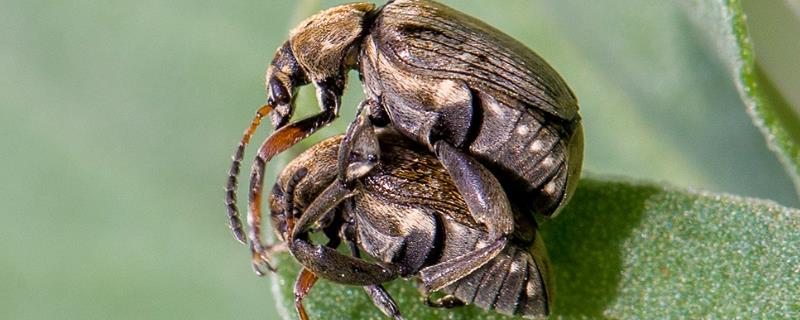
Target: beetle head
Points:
x,y
300,182
284,77
362,153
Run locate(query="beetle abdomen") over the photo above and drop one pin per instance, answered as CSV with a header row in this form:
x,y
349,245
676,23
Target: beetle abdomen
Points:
x,y
527,151
510,283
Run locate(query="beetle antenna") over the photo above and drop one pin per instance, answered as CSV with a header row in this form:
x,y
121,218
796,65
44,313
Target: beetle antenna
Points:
x,y
288,199
233,174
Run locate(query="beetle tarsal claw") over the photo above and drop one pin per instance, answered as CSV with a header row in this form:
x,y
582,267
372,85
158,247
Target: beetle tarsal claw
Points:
x,y
262,258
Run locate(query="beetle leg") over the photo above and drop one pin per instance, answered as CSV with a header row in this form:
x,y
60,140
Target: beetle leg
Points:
x,y
381,298
328,263
261,257
322,205
279,141
447,301
305,281
376,292
488,205
359,151
486,200
442,274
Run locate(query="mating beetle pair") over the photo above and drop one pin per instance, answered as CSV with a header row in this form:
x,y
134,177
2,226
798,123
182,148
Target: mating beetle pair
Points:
x,y
487,107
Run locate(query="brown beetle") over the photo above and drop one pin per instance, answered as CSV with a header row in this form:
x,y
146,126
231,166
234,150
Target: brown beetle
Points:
x,y
474,96
407,214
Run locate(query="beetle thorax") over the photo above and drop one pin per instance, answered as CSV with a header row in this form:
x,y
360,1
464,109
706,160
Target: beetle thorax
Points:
x,y
323,43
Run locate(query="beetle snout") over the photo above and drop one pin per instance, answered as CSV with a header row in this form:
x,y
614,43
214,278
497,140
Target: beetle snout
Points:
x,y
284,75
280,97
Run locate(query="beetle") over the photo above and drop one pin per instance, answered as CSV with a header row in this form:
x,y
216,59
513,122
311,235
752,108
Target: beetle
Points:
x,y
406,213
472,95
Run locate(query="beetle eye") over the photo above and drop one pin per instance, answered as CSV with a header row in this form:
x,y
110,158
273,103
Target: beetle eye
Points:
x,y
279,94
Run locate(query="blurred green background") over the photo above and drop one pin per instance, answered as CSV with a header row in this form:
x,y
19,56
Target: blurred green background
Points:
x,y
118,118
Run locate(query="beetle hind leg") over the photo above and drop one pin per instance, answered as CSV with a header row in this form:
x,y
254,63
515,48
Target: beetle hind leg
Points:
x,y
487,204
440,275
485,197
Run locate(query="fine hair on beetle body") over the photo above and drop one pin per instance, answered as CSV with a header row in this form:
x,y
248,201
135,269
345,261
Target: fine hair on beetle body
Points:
x,y
487,107
406,214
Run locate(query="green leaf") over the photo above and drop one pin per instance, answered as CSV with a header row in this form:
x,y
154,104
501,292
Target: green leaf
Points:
x,y
659,103
724,22
630,250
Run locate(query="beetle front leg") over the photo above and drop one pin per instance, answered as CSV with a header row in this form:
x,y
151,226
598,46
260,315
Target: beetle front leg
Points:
x,y
359,151
326,262
319,209
487,203
286,137
306,280
330,264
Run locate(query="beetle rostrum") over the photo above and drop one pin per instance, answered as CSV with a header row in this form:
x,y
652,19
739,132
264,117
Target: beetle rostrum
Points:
x,y
407,215
487,107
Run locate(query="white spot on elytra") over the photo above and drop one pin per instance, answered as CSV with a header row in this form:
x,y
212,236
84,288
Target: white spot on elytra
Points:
x,y
448,92
447,86
548,162
405,54
537,146
523,130
550,188
495,107
530,288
